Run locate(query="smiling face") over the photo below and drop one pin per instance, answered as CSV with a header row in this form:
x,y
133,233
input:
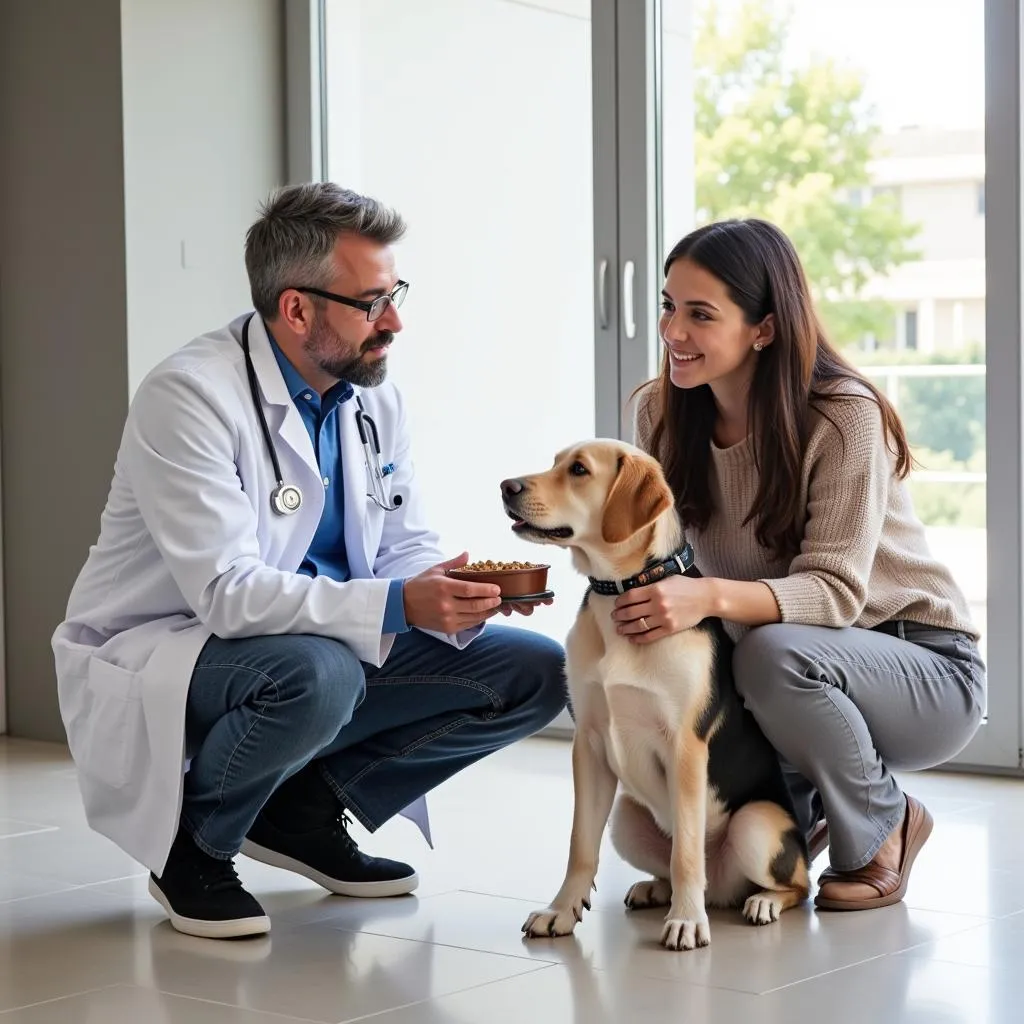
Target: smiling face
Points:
x,y
707,335
596,496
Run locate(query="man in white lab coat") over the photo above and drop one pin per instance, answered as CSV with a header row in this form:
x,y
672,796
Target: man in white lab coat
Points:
x,y
263,640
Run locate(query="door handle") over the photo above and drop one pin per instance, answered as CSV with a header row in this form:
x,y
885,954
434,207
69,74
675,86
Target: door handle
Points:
x,y
602,294
628,317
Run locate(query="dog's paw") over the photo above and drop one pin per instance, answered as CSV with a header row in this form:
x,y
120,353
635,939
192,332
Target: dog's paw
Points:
x,y
654,893
555,921
763,908
680,933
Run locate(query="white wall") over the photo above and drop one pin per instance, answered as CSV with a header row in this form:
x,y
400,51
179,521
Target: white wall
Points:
x,y
974,321
971,326
203,144
947,212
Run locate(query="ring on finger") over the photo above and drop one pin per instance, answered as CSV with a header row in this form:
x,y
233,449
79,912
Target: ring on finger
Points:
x,y
643,622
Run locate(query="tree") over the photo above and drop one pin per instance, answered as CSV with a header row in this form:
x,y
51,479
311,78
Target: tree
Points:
x,y
791,144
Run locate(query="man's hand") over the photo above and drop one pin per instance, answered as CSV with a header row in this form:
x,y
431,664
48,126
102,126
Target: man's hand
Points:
x,y
435,601
522,609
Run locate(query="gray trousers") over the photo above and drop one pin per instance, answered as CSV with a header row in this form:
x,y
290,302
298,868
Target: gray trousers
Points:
x,y
844,707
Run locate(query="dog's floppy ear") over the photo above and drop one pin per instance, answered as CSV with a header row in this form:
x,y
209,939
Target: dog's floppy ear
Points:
x,y
638,496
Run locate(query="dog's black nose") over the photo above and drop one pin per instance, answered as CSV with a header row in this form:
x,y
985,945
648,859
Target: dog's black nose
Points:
x,y
510,488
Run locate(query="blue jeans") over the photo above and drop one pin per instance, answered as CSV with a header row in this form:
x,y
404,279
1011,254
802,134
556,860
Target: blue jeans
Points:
x,y
260,709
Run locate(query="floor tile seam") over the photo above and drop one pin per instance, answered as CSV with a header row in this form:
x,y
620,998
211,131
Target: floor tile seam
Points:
x,y
62,998
447,995
525,958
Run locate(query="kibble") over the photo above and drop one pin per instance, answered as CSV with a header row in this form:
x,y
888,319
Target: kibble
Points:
x,y
490,566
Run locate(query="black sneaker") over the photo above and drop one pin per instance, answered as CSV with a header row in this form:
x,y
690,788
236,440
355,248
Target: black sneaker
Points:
x,y
203,896
329,856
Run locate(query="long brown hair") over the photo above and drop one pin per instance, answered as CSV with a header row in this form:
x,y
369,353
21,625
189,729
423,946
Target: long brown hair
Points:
x,y
795,374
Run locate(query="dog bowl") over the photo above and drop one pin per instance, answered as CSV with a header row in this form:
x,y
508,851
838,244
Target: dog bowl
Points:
x,y
516,579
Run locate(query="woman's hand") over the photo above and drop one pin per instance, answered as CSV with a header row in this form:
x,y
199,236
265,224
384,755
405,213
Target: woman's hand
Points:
x,y
661,609
680,602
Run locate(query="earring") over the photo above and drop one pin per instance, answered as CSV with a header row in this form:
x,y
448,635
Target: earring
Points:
x,y
758,346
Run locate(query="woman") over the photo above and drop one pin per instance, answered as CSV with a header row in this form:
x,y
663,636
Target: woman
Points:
x,y
789,470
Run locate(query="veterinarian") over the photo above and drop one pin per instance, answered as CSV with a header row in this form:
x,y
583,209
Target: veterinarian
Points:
x,y
266,605
856,651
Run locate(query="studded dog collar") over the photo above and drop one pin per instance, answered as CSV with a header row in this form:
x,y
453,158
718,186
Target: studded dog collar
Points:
x,y
677,563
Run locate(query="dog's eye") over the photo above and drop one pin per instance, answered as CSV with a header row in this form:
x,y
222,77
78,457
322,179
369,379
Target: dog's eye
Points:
x,y
578,469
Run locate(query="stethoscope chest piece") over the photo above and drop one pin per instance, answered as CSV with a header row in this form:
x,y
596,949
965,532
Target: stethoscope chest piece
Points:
x,y
286,499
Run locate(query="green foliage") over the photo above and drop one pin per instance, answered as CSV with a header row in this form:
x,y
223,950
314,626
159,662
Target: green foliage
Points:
x,y
791,144
945,422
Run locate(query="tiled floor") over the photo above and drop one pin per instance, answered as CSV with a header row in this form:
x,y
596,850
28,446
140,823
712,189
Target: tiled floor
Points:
x,y
81,941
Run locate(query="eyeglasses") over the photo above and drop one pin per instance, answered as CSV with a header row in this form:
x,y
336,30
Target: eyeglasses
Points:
x,y
374,310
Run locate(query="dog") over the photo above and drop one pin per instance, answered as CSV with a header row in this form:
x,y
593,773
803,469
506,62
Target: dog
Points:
x,y
703,808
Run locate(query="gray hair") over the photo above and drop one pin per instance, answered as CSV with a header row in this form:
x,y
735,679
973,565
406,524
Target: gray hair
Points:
x,y
292,243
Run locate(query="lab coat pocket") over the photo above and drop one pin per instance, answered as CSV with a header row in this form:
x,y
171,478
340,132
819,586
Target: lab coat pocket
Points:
x,y
373,523
107,740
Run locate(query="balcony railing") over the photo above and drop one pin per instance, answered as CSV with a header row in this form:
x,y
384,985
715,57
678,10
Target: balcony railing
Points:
x,y
889,377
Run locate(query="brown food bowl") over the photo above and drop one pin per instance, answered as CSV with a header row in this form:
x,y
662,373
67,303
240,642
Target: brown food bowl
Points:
x,y
516,579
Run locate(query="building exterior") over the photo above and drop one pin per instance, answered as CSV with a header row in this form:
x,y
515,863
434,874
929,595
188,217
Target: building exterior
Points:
x,y
938,177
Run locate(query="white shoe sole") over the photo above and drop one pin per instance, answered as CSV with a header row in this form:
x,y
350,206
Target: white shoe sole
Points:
x,y
238,928
369,890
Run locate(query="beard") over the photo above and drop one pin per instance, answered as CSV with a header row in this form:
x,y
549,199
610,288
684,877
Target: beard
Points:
x,y
344,362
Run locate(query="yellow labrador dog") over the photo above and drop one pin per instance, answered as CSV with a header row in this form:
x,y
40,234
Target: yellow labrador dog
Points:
x,y
703,806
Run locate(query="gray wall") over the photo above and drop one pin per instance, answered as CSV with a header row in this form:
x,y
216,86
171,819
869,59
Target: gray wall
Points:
x,y
63,338
123,134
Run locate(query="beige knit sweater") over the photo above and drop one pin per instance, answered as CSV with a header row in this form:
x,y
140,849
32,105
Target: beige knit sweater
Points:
x,y
864,558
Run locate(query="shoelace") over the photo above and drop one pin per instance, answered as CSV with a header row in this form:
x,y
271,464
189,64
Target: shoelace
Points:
x,y
339,830
219,876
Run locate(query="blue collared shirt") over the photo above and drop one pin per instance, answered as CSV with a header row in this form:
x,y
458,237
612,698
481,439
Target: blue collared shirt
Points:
x,y
327,555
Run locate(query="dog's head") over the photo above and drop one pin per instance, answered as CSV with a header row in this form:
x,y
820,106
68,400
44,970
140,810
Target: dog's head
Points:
x,y
598,495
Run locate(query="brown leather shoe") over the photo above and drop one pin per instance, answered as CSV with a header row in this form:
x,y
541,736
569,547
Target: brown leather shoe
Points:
x,y
890,885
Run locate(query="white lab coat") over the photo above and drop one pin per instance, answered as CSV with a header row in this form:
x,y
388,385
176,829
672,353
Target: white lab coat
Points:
x,y
190,547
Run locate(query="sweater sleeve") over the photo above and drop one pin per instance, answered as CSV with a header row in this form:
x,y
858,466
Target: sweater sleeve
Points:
x,y
851,472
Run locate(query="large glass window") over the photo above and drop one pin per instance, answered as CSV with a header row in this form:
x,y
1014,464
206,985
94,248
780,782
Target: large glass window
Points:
x,y
473,118
870,153
548,153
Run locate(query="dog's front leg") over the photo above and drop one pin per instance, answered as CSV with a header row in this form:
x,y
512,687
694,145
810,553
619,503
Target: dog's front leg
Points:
x,y
686,924
594,785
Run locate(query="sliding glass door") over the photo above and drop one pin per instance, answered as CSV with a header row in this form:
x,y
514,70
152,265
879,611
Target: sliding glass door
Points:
x,y
548,153
875,149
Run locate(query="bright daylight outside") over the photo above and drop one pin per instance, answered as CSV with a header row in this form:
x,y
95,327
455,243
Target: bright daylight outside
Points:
x,y
473,117
868,149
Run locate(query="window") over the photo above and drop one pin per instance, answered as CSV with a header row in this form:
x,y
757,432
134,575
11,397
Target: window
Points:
x,y
595,133
910,329
887,142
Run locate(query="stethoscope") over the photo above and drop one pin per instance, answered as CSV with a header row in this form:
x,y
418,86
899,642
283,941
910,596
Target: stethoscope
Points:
x,y
287,498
